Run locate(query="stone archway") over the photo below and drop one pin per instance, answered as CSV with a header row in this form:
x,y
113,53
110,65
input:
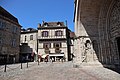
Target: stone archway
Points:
x,y
109,29
113,27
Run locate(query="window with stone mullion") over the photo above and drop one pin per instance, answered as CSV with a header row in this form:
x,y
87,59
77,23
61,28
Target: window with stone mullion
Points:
x,y
45,34
58,33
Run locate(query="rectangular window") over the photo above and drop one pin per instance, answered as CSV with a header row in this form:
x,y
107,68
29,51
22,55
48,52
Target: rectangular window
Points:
x,y
2,25
25,38
58,33
14,42
31,37
57,45
15,29
46,45
45,34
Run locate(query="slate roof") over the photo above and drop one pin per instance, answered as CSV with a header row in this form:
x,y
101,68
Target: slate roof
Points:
x,y
53,24
6,14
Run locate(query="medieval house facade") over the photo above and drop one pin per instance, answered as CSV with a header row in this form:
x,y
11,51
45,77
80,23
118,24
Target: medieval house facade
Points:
x,y
97,30
54,37
9,37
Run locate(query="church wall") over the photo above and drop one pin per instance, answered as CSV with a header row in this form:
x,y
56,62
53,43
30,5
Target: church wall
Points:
x,y
92,23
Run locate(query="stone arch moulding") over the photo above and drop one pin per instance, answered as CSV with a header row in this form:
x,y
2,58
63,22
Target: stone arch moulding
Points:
x,y
104,32
113,28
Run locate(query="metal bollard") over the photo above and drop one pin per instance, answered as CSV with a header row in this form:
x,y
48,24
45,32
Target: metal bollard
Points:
x,y
27,64
21,65
5,67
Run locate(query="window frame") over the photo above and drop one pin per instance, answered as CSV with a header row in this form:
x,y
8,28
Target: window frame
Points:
x,y
48,44
45,33
59,33
2,25
31,37
60,45
14,42
25,38
14,29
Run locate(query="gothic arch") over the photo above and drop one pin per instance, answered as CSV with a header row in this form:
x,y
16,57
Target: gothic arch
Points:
x,y
103,32
109,29
113,22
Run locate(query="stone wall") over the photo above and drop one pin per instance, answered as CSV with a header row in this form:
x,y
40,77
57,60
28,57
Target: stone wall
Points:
x,y
97,22
10,39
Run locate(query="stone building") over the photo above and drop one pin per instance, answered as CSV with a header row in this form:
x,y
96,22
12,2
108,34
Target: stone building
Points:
x,y
51,38
9,37
97,30
28,43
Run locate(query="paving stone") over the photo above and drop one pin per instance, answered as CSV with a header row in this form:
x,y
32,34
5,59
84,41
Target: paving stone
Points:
x,y
58,71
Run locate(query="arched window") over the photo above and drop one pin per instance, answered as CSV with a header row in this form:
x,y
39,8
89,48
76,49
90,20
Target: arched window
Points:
x,y
59,33
45,34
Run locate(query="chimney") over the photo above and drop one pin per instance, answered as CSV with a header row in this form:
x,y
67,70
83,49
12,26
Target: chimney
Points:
x,y
66,23
43,22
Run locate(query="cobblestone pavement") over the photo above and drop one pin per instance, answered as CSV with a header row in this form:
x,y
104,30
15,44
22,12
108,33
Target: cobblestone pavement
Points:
x,y
56,71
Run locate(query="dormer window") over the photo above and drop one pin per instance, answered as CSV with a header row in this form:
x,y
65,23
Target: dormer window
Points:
x,y
58,24
45,24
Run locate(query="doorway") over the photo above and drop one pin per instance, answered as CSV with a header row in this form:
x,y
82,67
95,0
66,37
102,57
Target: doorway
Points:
x,y
118,45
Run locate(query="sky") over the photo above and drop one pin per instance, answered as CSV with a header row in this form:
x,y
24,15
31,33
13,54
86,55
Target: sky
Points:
x,y
31,12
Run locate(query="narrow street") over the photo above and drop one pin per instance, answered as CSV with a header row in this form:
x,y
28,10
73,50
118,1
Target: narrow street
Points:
x,y
57,71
